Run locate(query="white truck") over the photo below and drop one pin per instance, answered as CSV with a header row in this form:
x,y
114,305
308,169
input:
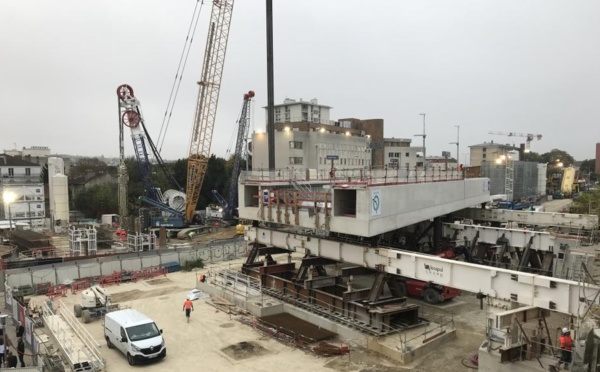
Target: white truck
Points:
x,y
135,335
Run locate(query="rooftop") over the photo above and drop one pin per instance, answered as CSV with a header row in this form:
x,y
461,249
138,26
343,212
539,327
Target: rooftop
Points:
x,y
7,160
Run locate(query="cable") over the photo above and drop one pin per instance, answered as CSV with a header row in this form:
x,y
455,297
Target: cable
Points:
x,y
185,52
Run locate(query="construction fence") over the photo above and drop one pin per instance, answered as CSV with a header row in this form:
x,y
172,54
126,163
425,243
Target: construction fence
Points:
x,y
17,313
30,280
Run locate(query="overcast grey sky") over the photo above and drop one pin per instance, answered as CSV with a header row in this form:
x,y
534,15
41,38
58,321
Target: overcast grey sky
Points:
x,y
510,65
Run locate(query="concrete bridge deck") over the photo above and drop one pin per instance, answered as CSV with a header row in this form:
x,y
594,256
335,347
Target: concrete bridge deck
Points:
x,y
357,203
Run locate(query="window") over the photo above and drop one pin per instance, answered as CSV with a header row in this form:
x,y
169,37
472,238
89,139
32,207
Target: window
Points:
x,y
485,148
38,191
11,171
143,332
123,334
391,155
295,145
295,160
407,154
483,156
28,171
397,154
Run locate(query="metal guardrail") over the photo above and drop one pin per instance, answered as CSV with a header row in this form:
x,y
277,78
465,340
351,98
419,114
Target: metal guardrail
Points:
x,y
78,349
357,176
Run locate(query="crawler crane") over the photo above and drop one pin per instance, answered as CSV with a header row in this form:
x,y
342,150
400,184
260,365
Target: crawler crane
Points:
x,y
208,98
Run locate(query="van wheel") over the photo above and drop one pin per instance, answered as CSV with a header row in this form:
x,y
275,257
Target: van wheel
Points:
x,y
109,344
431,296
130,359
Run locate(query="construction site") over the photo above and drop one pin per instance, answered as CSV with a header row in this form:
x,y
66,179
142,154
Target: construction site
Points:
x,y
329,265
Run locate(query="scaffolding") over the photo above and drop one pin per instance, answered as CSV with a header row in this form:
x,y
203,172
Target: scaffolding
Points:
x,y
141,242
83,241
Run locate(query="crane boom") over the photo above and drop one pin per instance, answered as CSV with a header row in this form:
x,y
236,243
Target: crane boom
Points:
x,y
208,98
243,125
529,137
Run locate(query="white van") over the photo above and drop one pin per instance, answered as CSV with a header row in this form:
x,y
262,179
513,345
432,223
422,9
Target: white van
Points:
x,y
135,335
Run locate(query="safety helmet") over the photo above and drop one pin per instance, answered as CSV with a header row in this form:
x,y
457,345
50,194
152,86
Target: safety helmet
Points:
x,y
565,330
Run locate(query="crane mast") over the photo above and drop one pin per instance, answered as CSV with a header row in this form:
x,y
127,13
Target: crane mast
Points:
x,y
243,125
208,98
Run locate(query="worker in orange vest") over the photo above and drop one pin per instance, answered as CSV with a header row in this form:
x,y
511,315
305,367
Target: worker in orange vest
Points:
x,y
566,346
188,307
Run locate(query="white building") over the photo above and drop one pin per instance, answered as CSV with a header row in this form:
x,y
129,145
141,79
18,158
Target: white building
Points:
x,y
311,150
22,190
33,151
491,152
399,154
292,111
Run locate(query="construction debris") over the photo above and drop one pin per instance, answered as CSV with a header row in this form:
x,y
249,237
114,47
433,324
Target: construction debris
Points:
x,y
325,349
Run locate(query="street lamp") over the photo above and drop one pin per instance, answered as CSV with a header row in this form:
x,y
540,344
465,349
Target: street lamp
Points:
x,y
457,144
9,197
424,135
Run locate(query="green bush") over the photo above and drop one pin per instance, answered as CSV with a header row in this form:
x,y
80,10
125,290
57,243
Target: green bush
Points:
x,y
191,265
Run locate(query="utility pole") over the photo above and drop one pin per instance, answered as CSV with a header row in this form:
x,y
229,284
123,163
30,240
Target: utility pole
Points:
x,y
424,136
270,88
457,143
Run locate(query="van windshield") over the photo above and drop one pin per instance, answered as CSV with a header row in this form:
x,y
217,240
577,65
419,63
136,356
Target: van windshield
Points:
x,y
143,331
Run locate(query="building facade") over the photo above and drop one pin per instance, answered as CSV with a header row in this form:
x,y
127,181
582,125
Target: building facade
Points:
x,y
318,150
22,190
308,124
398,153
292,111
490,152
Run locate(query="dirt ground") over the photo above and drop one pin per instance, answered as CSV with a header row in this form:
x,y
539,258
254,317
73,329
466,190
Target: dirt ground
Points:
x,y
222,343
222,233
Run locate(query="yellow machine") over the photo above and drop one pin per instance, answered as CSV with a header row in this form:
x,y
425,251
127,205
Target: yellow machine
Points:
x,y
568,178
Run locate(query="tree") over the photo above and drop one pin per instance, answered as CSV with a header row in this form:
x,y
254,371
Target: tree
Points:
x,y
555,155
533,156
587,169
587,203
44,176
88,165
97,200
94,201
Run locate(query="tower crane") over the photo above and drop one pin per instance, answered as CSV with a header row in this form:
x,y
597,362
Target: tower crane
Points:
x,y
529,137
208,98
242,135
